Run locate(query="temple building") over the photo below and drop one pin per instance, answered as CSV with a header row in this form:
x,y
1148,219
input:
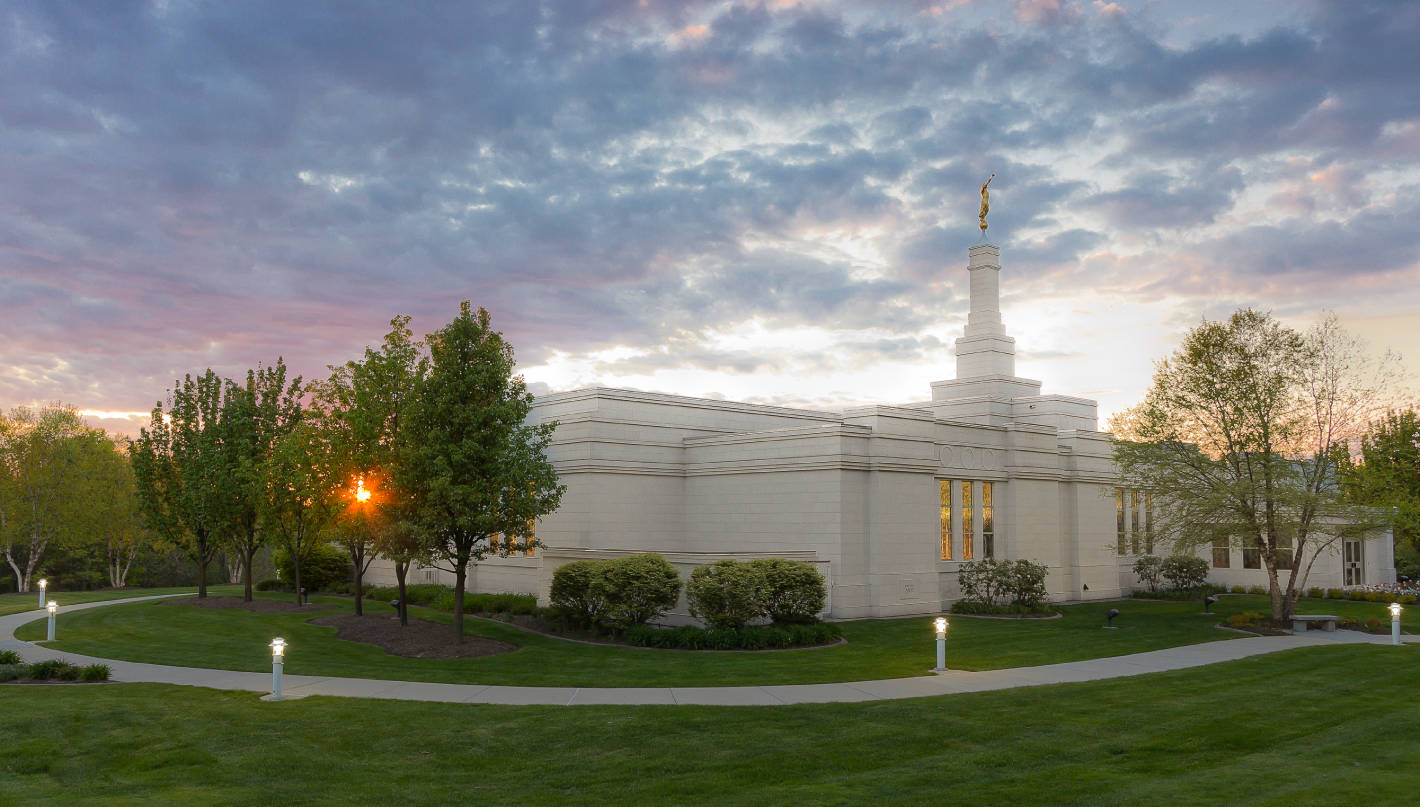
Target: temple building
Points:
x,y
887,501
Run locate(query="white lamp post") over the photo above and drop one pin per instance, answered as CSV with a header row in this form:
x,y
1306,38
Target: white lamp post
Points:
x,y
42,585
940,623
1395,623
53,607
278,659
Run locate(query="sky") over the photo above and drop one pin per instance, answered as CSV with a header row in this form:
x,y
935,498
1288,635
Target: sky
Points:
x,y
759,200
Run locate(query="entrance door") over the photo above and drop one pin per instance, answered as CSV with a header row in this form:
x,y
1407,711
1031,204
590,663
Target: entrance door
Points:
x,y
1351,569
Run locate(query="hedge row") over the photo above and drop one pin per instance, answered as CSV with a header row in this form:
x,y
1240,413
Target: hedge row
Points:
x,y
53,670
727,594
615,594
751,637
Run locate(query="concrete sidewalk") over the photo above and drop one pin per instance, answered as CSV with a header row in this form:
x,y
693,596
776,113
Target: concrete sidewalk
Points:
x,y
948,683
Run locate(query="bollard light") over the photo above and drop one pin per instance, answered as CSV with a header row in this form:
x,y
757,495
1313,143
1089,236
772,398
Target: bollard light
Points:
x,y
940,624
53,608
278,659
43,584
1395,610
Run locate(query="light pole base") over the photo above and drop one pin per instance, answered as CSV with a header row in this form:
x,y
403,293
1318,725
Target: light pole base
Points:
x,y
285,696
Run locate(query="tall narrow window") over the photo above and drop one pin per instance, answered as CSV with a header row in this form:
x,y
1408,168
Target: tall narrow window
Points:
x,y
1222,556
946,492
988,528
1119,540
1134,521
1148,522
1284,554
968,531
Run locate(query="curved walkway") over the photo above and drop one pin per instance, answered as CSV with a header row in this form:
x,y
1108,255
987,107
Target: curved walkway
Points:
x,y
947,683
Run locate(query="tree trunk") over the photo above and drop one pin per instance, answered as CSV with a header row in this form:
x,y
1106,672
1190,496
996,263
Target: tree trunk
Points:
x,y
296,573
401,570
460,576
22,583
248,553
202,578
359,577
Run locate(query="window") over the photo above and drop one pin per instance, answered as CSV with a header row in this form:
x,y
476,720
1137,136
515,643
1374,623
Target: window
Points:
x,y
1134,522
988,528
497,538
1148,522
1222,555
1119,521
968,531
946,495
1252,557
1284,554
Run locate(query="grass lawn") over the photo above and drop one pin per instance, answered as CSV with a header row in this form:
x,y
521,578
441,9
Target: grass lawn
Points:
x,y
1321,726
15,603
887,648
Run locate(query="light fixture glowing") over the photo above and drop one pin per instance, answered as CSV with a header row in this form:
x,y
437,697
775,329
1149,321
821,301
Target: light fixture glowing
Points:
x,y
53,606
43,584
278,648
1395,610
940,623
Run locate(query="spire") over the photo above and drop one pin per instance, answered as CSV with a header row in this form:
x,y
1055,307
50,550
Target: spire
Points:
x,y
985,349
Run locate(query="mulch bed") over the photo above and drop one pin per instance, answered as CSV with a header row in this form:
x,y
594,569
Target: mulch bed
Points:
x,y
420,639
255,606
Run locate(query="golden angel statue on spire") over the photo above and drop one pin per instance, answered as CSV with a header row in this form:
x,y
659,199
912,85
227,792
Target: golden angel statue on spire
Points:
x,y
985,202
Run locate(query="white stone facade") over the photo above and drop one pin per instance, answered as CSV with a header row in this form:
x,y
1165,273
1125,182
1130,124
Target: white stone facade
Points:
x,y
858,493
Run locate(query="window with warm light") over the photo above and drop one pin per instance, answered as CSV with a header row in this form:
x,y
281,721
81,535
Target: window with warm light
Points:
x,y
945,487
1120,541
968,527
988,522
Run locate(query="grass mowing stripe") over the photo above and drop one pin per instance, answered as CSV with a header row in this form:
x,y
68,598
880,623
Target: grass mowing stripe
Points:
x,y
1301,727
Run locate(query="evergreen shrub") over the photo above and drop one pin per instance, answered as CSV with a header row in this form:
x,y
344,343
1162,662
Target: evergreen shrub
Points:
x,y
323,566
10,657
94,673
794,591
726,593
637,589
573,596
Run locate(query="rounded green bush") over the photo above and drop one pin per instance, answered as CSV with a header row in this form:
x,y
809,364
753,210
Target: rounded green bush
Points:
x,y
793,590
636,588
1184,571
572,592
726,594
94,673
322,567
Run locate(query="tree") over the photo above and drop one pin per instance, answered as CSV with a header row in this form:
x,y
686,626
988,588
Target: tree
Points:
x,y
1388,473
1239,438
300,496
178,465
471,466
364,404
110,517
254,417
44,456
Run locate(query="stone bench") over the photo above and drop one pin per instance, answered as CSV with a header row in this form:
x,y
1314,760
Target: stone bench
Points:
x,y
1300,622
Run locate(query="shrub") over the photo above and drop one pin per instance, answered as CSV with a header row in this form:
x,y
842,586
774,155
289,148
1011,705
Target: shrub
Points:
x,y
1257,590
322,567
1316,593
488,603
726,593
9,672
572,592
1407,599
793,590
637,589
1335,594
95,672
1373,625
46,670
1014,609
1028,583
10,657
1184,571
985,582
1244,619
1238,589
270,584
1148,568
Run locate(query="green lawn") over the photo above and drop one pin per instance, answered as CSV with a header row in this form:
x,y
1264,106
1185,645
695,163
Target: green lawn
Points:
x,y
15,603
1322,726
887,648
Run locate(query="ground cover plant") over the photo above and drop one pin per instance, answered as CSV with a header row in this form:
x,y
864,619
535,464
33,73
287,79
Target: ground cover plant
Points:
x,y
885,648
1313,741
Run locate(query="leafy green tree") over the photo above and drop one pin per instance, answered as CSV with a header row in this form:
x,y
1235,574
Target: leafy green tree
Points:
x,y
471,466
110,517
1239,436
179,464
300,495
365,404
44,458
1388,473
254,417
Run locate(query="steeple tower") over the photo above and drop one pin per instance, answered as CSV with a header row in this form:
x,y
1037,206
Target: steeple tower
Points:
x,y
985,349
